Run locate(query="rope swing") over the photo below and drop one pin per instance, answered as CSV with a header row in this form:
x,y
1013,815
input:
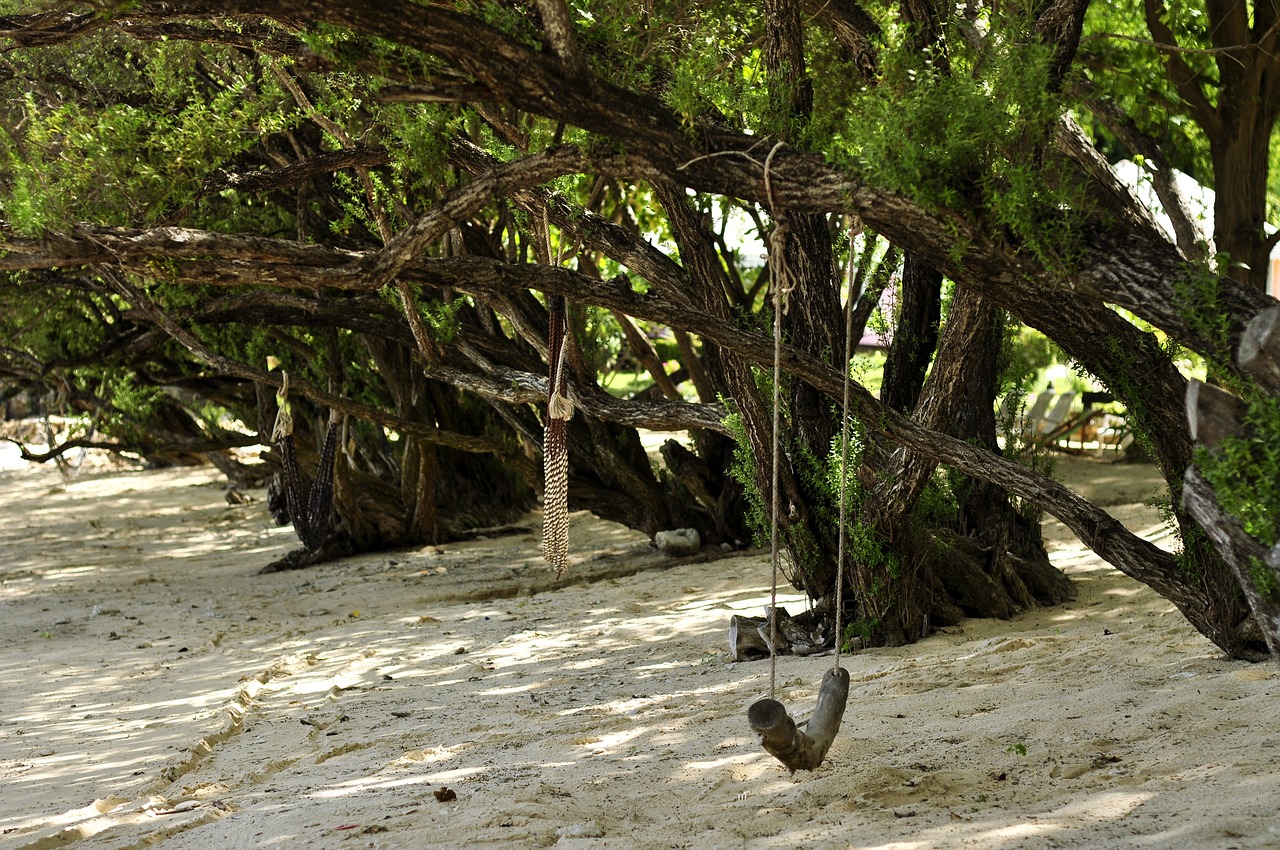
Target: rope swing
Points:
x,y
798,749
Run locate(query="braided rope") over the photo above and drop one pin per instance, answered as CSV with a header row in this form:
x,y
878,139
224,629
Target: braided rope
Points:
x,y
555,447
776,501
282,436
310,514
320,499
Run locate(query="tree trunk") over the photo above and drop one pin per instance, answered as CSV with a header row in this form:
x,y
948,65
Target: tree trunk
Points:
x,y
1216,417
1240,166
995,566
915,334
984,511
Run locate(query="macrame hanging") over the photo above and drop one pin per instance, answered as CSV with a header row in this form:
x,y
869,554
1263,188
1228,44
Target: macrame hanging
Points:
x,y
555,448
798,749
310,512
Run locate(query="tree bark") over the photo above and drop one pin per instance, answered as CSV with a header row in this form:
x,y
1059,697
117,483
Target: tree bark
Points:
x,y
915,334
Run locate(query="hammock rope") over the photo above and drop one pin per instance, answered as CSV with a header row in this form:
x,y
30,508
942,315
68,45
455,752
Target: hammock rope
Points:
x,y
311,511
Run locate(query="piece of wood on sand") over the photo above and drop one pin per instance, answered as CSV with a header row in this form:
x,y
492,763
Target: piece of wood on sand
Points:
x,y
781,738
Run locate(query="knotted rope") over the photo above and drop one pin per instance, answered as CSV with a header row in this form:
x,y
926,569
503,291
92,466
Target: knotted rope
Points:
x,y
555,447
844,448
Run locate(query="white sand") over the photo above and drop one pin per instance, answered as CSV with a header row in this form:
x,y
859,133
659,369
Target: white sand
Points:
x,y
159,693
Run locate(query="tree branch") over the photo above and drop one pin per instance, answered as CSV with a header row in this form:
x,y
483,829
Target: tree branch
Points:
x,y
1191,241
227,366
559,28
285,177
1184,79
231,441
465,202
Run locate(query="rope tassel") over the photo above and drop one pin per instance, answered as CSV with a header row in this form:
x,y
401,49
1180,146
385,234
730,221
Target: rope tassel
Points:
x,y
555,447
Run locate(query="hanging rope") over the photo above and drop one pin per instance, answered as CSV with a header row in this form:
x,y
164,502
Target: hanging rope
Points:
x,y
782,282
843,535
555,448
309,512
796,749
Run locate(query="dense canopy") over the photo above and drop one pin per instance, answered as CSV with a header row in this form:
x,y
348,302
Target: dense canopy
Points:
x,y
395,202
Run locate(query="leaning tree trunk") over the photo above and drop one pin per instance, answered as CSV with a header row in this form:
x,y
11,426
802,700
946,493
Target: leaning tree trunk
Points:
x,y
915,334
927,574
1018,564
1241,455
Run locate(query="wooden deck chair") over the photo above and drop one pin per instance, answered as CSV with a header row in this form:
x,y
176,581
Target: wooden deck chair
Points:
x,y
1047,428
1018,414
1029,423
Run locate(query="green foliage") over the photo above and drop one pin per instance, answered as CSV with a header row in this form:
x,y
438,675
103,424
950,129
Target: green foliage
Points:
x,y
1128,70
1025,356
863,630
1245,471
1273,179
966,139
132,404
720,76
1197,299
820,477
863,545
743,470
441,317
867,368
1245,475
1264,577
600,338
937,507
142,150
417,139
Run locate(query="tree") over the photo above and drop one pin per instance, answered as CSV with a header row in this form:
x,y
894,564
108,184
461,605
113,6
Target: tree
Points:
x,y
424,137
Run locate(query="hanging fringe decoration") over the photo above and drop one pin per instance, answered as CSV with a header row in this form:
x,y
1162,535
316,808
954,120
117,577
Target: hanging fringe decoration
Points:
x,y
309,512
555,448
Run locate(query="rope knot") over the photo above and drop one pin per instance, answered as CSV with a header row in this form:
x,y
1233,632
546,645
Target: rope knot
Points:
x,y
560,406
784,281
284,412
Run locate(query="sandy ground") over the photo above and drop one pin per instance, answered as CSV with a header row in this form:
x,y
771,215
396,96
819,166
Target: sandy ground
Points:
x,y
159,693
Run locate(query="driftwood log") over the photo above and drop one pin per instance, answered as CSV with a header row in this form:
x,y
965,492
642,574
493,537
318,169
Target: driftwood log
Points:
x,y
1259,352
805,634
782,739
